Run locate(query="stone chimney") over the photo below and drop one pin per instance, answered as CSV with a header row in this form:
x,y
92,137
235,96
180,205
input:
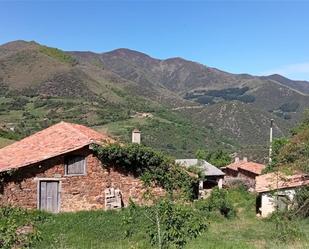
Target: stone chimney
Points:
x,y
136,136
237,159
245,159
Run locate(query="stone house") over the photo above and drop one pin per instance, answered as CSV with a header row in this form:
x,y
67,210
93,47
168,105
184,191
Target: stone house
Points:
x,y
244,171
211,175
277,191
56,170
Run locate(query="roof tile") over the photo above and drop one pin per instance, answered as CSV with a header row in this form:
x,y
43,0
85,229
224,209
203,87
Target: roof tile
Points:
x,y
273,181
53,141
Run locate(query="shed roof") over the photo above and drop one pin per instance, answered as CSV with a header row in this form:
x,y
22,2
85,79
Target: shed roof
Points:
x,y
252,167
272,181
209,169
55,140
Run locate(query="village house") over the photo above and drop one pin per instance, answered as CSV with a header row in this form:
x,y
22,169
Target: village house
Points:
x,y
56,170
211,175
243,171
277,191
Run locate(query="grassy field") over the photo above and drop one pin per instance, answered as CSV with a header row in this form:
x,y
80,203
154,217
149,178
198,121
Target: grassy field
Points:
x,y
4,142
99,229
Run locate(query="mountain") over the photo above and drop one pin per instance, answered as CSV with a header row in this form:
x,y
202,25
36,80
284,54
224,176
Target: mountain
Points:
x,y
189,105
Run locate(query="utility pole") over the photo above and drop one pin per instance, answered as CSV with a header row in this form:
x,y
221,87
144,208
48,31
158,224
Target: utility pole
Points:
x,y
270,140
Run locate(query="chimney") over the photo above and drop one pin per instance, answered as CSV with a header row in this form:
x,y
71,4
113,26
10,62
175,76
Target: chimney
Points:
x,y
236,159
245,159
136,136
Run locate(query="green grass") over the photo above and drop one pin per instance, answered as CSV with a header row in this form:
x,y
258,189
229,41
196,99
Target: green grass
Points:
x,y
4,142
100,229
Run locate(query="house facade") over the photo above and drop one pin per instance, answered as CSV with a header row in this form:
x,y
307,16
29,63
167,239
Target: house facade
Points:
x,y
277,191
56,170
244,171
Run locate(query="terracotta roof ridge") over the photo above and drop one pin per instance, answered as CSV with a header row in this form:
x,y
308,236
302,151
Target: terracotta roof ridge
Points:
x,y
71,126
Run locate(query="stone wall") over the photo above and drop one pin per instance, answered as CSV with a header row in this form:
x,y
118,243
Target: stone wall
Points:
x,y
247,176
84,192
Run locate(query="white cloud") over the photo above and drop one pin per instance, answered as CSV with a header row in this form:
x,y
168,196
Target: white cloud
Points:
x,y
298,70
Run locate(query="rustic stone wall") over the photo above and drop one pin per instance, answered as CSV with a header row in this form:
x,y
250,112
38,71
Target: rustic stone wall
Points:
x,y
248,176
76,192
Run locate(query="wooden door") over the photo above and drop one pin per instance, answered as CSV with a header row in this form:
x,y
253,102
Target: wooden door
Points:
x,y
49,196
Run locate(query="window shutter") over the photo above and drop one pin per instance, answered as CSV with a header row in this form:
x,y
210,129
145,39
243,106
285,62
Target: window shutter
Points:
x,y
75,165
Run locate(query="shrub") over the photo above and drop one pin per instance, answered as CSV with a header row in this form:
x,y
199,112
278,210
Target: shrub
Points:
x,y
171,225
17,228
302,202
218,201
151,166
286,229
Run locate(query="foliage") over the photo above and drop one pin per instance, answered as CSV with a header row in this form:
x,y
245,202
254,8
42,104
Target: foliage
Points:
x,y
286,229
58,54
205,100
301,208
289,107
293,153
99,229
218,201
207,97
277,145
218,158
18,228
170,224
151,166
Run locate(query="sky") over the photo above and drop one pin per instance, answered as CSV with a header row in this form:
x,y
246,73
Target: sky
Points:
x,y
257,37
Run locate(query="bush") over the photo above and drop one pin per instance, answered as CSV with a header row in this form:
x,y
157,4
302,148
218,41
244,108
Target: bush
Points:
x,y
218,201
170,225
151,166
302,202
18,228
286,229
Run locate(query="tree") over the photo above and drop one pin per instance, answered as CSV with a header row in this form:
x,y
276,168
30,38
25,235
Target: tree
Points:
x,y
170,224
218,158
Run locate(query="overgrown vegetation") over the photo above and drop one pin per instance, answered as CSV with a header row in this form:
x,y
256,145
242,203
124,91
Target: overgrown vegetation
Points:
x,y
116,229
218,201
151,166
18,227
169,224
218,158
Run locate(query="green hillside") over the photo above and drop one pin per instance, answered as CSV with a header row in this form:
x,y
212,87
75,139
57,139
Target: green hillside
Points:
x,y
192,106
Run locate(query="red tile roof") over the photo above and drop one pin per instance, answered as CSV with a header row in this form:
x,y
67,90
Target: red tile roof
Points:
x,y
253,167
268,182
235,165
53,141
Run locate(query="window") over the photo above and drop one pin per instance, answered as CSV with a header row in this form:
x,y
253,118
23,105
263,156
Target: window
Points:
x,y
75,165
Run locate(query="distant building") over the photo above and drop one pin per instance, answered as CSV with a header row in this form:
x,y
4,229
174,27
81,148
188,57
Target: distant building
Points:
x,y
277,191
136,136
211,175
242,170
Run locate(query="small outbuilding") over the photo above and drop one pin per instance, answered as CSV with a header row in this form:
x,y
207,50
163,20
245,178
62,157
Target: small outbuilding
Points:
x,y
277,191
211,176
244,171
56,170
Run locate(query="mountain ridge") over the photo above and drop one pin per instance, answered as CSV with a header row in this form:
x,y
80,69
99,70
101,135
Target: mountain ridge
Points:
x,y
105,90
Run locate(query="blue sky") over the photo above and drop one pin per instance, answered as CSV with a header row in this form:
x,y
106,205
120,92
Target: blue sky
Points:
x,y
257,37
